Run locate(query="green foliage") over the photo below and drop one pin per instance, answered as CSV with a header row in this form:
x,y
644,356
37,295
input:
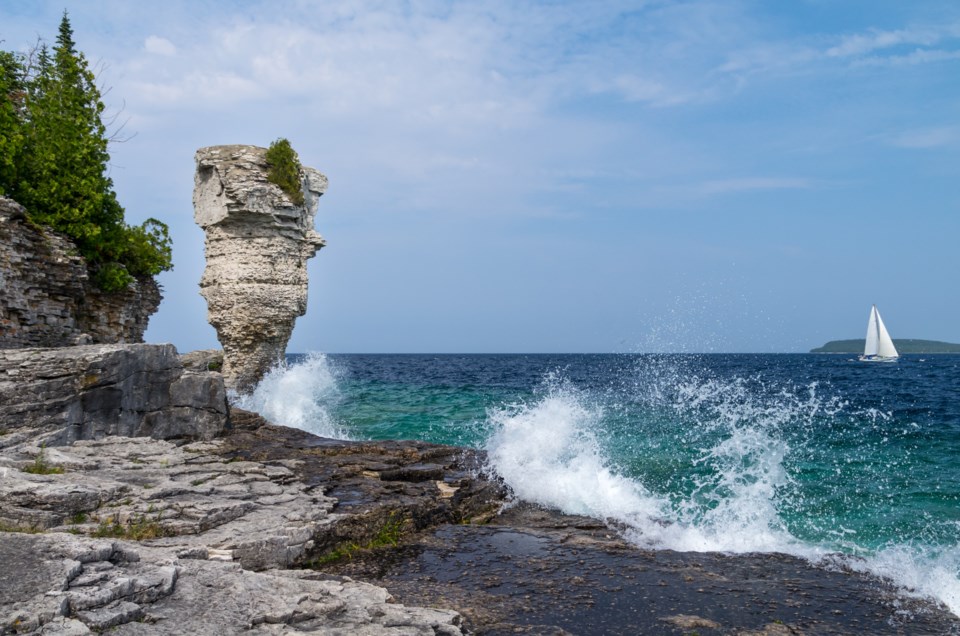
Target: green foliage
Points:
x,y
54,158
283,169
138,529
388,535
40,465
12,96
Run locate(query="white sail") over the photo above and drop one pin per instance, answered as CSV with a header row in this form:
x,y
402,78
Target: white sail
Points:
x,y
872,345
878,345
886,348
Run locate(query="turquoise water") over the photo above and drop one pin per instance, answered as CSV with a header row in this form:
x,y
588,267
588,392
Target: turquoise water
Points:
x,y
806,454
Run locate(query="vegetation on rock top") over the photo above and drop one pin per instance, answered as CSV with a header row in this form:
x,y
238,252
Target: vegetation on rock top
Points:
x,y
53,161
283,169
40,466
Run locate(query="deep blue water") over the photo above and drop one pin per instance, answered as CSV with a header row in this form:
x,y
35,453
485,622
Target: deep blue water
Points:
x,y
807,454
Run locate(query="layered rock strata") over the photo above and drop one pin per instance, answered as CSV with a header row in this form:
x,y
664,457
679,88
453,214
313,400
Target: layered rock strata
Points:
x,y
47,298
57,396
257,245
145,536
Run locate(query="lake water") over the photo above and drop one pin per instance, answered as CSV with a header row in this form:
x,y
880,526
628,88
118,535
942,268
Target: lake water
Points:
x,y
813,455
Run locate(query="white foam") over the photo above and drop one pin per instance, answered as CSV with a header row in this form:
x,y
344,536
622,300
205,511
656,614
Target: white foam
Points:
x,y
921,571
300,395
548,454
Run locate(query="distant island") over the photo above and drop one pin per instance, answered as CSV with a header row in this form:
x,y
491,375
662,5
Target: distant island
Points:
x,y
903,346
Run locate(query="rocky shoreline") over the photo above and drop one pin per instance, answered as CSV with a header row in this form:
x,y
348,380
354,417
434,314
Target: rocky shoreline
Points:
x,y
235,525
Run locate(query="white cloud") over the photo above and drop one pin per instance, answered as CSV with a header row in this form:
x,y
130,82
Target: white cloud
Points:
x,y
872,47
768,57
862,43
751,184
159,46
422,70
900,47
928,137
920,56
639,89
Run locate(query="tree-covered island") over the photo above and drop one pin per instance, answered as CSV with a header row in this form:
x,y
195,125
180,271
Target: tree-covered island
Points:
x,y
903,345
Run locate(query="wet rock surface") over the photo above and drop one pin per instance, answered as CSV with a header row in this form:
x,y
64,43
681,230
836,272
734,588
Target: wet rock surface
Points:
x,y
540,572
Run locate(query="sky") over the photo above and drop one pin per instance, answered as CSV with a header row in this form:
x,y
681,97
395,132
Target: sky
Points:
x,y
519,176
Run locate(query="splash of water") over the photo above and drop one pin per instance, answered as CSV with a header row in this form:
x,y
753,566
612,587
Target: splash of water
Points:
x,y
300,395
548,453
740,440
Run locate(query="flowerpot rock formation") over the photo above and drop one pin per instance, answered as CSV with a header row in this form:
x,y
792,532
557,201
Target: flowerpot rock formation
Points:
x,y
257,246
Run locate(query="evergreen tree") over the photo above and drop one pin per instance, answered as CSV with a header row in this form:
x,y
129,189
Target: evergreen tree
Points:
x,y
64,183
12,96
58,167
283,169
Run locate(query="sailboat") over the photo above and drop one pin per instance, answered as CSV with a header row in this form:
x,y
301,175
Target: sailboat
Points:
x,y
879,346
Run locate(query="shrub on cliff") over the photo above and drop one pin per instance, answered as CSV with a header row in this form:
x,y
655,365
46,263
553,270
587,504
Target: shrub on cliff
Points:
x,y
283,169
53,161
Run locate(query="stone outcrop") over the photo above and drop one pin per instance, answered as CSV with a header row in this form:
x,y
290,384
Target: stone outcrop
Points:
x,y
57,396
64,584
257,245
145,536
47,298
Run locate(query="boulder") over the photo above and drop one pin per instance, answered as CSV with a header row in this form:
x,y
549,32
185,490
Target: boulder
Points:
x,y
56,396
257,246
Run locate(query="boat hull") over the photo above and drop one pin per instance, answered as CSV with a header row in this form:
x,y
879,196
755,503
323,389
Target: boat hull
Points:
x,y
879,358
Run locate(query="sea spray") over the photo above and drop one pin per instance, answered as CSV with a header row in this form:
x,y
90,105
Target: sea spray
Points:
x,y
548,453
557,450
689,459
298,394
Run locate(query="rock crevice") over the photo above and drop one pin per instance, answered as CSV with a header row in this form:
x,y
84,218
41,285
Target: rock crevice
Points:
x,y
257,246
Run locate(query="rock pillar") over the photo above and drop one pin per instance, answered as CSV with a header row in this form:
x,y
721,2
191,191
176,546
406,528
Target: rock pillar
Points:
x,y
257,245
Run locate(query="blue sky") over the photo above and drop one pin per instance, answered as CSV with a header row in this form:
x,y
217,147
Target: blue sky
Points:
x,y
559,176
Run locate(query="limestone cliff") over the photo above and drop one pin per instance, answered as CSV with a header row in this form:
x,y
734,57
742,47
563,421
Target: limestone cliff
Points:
x,y
47,298
257,246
